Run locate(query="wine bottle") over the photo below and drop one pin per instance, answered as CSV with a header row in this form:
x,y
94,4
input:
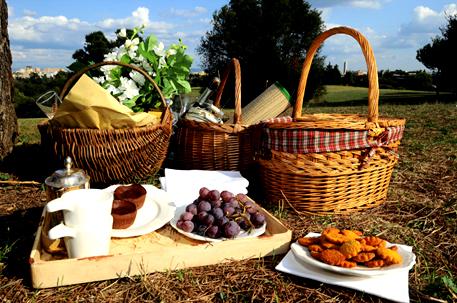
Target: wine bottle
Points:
x,y
204,97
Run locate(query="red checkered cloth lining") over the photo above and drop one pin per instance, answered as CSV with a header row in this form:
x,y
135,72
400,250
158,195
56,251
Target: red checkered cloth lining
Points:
x,y
286,119
300,141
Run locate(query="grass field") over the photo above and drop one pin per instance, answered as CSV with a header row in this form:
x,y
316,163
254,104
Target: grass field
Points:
x,y
420,211
350,95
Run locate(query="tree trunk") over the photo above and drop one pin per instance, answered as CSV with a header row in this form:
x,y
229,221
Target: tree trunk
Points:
x,y
8,119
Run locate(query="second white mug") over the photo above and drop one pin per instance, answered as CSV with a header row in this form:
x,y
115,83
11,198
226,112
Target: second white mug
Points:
x,y
87,224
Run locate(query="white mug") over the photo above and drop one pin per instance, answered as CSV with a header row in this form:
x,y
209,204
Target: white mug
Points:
x,y
87,222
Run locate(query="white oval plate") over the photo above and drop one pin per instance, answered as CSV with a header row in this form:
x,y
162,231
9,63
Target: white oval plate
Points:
x,y
409,259
243,234
158,210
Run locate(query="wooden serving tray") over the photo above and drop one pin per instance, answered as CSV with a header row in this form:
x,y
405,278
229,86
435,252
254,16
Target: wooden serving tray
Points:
x,y
162,250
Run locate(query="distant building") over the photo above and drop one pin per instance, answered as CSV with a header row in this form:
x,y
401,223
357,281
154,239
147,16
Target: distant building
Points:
x,y
29,70
361,73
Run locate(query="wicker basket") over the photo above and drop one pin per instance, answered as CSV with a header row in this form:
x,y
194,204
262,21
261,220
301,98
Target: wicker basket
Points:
x,y
110,155
212,146
331,163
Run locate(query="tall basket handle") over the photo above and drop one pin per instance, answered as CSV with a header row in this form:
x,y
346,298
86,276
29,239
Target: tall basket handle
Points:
x,y
235,64
84,70
373,88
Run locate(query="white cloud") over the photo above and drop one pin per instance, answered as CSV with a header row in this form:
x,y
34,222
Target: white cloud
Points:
x,y
40,57
205,20
450,9
196,11
422,13
51,40
140,16
424,25
47,29
325,13
28,12
369,4
396,50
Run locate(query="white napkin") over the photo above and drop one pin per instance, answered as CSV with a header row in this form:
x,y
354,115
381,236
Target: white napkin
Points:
x,y
183,185
392,286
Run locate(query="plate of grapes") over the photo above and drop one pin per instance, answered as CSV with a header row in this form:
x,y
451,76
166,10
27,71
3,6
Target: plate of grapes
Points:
x,y
218,216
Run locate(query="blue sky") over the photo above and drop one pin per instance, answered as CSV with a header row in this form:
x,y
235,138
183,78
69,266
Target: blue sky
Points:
x,y
46,33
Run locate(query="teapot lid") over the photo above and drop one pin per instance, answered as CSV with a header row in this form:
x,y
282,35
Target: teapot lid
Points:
x,y
67,177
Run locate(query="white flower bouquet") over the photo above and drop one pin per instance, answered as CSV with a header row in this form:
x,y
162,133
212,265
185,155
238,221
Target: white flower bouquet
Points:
x,y
169,68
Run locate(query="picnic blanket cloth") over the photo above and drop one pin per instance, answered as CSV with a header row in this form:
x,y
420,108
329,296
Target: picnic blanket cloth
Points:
x,y
303,141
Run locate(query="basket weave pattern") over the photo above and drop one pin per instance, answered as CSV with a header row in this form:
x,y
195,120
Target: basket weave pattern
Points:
x,y
111,155
213,146
341,181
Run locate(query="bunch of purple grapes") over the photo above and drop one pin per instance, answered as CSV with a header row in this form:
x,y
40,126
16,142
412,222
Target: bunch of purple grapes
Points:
x,y
217,214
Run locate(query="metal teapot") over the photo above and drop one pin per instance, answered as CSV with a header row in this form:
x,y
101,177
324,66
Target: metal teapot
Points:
x,y
57,184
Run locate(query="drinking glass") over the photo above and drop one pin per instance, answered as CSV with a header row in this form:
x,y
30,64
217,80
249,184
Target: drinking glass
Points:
x,y
48,103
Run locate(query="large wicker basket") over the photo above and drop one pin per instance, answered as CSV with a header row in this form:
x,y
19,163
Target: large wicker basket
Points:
x,y
213,146
110,155
331,163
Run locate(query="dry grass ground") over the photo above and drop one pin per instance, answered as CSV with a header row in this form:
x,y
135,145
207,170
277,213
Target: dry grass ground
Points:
x,y
421,211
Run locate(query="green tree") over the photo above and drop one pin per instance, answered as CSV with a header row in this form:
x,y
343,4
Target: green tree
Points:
x,y
269,37
332,74
95,47
27,90
439,55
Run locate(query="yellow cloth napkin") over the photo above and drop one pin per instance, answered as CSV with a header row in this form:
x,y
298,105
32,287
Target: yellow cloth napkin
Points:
x,y
88,105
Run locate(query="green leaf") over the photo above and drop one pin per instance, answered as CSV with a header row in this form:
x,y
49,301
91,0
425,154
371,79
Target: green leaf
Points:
x,y
115,73
449,282
151,41
185,85
131,102
169,88
183,60
125,59
147,55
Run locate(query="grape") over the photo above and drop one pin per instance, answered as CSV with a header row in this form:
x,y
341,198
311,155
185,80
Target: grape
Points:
x,y
201,216
250,207
216,204
208,220
244,224
192,208
201,229
221,222
179,224
217,213
214,195
226,195
238,211
204,206
213,231
203,192
233,202
257,219
196,201
187,226
228,210
187,216
242,198
231,229
248,203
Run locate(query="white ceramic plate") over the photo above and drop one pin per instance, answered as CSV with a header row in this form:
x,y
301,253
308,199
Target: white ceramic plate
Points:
x,y
243,234
158,210
409,259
